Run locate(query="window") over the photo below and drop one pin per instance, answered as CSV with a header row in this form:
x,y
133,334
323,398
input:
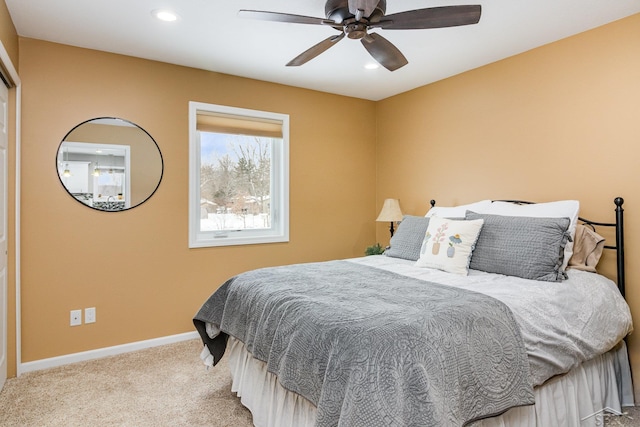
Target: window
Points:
x,y
238,176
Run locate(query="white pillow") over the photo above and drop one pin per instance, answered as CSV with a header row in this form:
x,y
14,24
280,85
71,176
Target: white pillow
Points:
x,y
457,211
448,244
560,209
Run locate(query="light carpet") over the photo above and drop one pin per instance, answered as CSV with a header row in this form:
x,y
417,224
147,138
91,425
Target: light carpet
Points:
x,y
160,386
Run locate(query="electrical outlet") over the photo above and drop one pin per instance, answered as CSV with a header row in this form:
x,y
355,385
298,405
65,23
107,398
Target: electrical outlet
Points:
x,y
90,315
76,318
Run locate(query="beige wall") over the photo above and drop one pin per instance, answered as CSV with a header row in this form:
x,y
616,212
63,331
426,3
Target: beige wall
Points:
x,y
8,34
135,266
558,122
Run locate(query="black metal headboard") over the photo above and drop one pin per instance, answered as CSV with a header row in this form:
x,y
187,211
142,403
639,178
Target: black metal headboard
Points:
x,y
619,246
619,230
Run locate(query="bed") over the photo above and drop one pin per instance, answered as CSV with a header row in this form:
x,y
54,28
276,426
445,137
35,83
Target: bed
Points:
x,y
487,314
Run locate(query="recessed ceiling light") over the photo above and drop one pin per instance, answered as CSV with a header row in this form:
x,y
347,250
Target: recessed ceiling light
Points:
x,y
371,66
165,15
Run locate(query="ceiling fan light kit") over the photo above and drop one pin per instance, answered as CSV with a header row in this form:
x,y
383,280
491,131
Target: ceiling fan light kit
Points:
x,y
354,18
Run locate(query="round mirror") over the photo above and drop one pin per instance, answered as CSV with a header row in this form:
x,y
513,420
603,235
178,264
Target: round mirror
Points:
x,y
109,164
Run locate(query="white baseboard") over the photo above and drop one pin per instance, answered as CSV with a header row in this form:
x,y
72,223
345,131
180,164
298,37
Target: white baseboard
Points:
x,y
53,362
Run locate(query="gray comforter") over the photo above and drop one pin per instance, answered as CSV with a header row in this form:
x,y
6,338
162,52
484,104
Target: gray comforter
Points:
x,y
369,347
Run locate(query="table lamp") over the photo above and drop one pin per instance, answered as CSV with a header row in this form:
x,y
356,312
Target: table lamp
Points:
x,y
390,212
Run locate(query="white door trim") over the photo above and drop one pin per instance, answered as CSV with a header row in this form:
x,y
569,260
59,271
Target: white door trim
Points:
x,y
13,74
4,222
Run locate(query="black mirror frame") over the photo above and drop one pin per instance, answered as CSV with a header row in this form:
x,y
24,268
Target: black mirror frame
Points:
x,y
132,124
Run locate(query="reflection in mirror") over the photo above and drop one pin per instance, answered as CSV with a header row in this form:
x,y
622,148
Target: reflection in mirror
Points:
x,y
109,164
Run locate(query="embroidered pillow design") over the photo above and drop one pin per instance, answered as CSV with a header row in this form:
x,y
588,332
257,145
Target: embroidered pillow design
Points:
x,y
448,244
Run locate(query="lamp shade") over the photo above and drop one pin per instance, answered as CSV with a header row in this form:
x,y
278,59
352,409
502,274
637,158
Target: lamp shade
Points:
x,y
390,211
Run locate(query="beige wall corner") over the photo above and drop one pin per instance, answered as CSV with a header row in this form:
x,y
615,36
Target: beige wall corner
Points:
x,y
557,122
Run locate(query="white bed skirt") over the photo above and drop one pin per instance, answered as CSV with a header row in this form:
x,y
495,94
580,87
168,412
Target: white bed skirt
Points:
x,y
578,398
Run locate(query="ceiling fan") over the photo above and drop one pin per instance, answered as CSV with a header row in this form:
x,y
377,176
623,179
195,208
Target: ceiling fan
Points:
x,y
354,18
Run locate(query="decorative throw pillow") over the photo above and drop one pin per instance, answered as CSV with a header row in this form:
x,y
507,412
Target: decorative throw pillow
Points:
x,y
558,209
448,244
527,247
587,249
407,239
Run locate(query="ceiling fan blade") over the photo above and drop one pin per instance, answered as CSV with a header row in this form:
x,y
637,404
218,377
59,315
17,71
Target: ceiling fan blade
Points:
x,y
365,6
283,17
433,17
315,50
384,52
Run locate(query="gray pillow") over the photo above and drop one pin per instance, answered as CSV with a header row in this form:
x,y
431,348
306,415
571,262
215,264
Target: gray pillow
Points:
x,y
527,247
407,240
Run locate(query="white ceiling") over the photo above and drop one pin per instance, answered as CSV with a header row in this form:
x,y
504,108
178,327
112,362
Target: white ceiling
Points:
x,y
210,36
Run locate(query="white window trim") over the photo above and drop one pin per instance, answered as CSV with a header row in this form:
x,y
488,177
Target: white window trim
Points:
x,y
279,231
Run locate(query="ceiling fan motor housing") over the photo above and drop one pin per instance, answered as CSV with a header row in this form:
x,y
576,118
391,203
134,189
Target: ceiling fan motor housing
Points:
x,y
338,11
355,30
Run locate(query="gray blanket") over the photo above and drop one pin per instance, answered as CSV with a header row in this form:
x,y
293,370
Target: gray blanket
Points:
x,y
371,348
